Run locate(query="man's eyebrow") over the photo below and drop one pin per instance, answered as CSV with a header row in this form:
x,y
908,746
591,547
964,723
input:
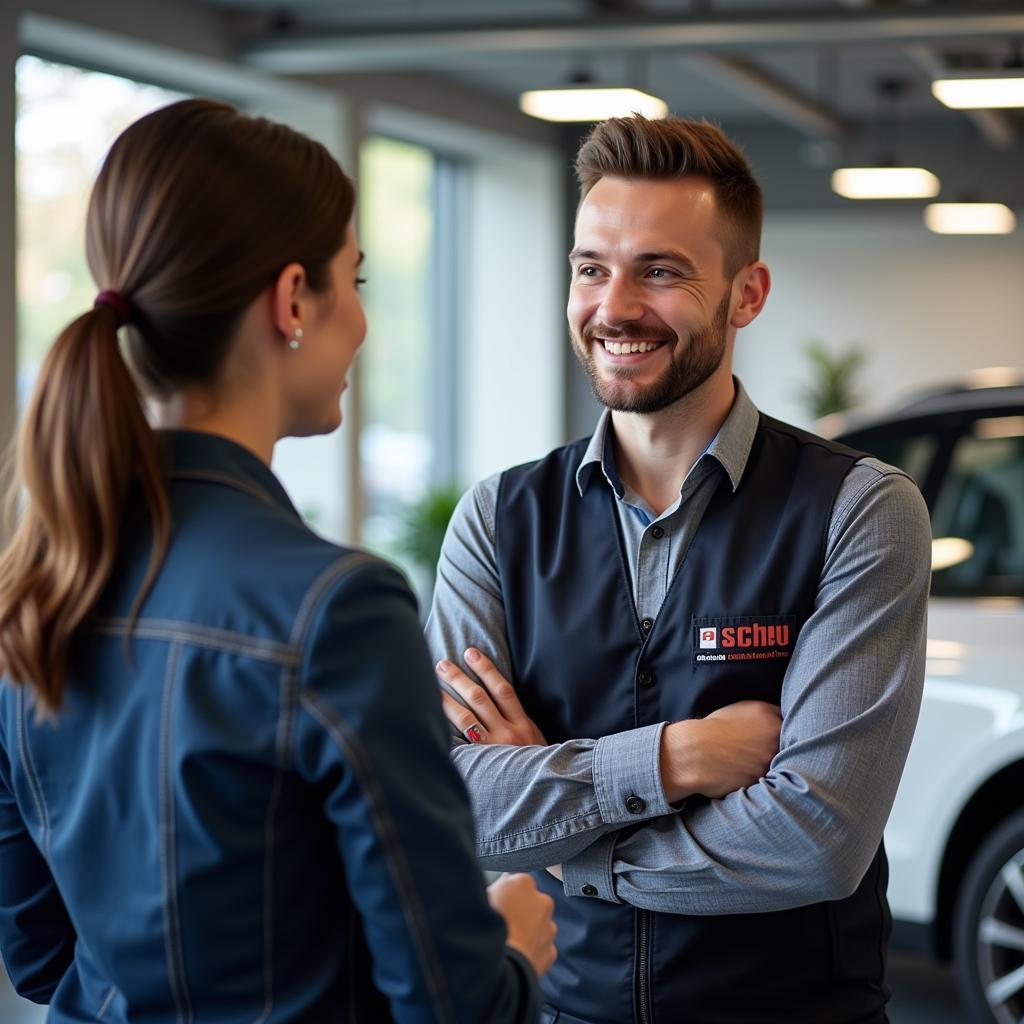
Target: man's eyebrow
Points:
x,y
583,254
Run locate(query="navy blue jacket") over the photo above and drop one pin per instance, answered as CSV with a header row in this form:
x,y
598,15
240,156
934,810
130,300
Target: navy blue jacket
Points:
x,y
749,578
253,818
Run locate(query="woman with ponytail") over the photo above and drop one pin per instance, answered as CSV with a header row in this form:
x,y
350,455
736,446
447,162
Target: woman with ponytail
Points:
x,y
225,792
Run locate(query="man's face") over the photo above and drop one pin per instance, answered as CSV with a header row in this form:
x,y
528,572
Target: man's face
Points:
x,y
649,303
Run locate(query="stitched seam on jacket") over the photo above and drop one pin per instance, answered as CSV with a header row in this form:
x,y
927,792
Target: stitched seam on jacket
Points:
x,y
168,852
106,1002
199,636
30,773
304,616
283,745
386,832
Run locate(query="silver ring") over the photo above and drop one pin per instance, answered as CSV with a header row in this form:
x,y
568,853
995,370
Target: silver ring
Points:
x,y
474,732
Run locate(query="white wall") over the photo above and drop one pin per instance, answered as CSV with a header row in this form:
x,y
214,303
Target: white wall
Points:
x,y
928,308
514,331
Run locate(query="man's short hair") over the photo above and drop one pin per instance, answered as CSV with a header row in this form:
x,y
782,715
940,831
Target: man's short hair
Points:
x,y
637,147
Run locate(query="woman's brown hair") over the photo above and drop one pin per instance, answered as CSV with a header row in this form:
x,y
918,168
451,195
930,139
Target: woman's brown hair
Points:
x,y
195,212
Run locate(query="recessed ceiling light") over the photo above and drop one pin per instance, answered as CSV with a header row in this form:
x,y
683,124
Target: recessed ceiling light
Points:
x,y
590,103
980,90
885,183
969,218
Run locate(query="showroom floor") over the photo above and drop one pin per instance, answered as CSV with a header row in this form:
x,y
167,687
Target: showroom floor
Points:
x,y
922,994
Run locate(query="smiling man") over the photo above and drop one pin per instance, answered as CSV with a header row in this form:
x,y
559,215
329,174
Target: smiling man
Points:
x,y
654,598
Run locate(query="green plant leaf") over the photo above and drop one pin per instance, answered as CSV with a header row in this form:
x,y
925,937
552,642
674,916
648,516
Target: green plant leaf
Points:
x,y
424,524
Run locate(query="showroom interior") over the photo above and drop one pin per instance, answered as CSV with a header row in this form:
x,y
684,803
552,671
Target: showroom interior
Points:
x,y
878,314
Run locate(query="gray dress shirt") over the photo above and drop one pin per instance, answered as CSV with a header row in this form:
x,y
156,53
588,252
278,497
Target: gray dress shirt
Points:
x,y
808,829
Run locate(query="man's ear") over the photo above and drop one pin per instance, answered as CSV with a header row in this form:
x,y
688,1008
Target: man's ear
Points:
x,y
751,285
287,296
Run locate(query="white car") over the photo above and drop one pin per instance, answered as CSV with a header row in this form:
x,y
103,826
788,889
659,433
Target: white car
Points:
x,y
955,839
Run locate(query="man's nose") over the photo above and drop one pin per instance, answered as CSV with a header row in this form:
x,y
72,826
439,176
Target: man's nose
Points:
x,y
621,301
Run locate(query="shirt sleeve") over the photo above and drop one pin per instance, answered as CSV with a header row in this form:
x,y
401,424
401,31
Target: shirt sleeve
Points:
x,y
371,740
808,830
37,939
532,806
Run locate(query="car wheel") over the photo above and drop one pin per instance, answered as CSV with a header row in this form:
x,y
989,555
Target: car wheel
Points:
x,y
988,927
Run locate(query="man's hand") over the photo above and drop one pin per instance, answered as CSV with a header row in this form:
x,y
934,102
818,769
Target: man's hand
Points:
x,y
492,712
730,749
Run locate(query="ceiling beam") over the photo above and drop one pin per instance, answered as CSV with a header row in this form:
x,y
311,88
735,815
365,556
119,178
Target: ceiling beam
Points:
x,y
770,94
335,50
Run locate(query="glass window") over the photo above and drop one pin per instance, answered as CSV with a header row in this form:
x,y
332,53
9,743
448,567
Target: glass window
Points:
x,y
979,514
913,452
67,119
406,363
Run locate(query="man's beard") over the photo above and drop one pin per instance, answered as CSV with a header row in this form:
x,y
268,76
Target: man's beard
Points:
x,y
687,369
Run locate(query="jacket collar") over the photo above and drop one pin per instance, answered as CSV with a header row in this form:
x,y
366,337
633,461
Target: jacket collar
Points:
x,y
193,455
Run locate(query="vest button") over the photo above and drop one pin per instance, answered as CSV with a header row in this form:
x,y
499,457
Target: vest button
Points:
x,y
635,805
589,890
646,624
657,533
645,677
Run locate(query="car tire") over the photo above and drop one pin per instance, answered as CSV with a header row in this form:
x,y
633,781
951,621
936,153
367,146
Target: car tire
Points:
x,y
988,927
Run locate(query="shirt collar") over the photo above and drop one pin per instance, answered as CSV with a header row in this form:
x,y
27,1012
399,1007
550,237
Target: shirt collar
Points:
x,y
194,455
730,446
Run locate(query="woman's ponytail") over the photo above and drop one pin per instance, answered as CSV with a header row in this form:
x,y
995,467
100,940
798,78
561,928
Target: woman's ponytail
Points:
x,y
84,445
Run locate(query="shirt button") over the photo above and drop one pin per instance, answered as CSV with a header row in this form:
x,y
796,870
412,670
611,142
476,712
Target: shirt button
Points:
x,y
646,624
635,805
645,677
589,890
657,533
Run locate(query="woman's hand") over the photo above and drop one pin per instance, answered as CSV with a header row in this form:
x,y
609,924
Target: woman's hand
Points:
x,y
528,917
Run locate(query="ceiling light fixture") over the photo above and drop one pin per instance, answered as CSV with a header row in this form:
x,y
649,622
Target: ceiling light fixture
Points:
x,y
590,103
980,90
885,183
886,179
969,218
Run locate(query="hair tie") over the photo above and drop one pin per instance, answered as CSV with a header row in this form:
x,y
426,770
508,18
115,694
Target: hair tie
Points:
x,y
117,302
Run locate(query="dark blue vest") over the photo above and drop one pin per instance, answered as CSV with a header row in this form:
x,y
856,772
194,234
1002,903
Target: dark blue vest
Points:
x,y
586,666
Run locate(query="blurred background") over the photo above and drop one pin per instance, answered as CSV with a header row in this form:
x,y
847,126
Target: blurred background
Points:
x,y
466,205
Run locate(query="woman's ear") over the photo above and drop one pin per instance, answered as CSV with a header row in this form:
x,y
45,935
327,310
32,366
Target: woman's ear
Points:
x,y
287,296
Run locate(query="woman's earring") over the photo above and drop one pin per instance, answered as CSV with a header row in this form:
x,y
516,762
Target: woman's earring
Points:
x,y
297,340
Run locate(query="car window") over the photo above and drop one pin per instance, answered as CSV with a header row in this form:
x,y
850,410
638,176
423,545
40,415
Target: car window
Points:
x,y
978,517
913,452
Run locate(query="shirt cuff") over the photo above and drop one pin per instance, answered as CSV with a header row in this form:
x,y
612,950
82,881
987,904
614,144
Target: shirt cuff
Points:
x,y
627,776
589,873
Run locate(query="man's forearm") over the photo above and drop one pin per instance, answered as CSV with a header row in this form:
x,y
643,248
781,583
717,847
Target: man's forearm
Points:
x,y
535,806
